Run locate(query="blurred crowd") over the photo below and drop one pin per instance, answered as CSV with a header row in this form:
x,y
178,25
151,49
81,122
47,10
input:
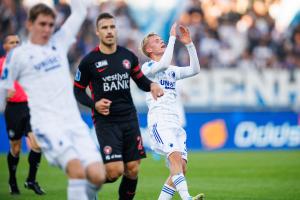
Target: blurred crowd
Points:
x,y
227,33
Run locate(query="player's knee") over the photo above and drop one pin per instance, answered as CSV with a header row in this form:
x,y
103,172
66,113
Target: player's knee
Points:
x,y
112,174
15,150
132,170
96,173
75,170
175,158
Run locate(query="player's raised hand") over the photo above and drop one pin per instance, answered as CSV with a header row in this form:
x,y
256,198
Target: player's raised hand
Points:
x,y
156,90
173,29
102,106
185,36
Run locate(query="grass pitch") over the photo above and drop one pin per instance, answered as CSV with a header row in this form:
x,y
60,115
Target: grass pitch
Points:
x,y
256,175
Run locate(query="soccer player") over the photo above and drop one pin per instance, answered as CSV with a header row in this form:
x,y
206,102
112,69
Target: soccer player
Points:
x,y
17,119
167,136
107,70
42,68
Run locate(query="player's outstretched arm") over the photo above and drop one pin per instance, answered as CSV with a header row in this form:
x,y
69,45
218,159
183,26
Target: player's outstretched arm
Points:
x,y
70,28
166,59
194,67
78,14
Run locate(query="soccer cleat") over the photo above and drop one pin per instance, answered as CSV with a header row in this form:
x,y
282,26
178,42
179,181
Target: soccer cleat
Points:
x,y
200,196
35,187
13,188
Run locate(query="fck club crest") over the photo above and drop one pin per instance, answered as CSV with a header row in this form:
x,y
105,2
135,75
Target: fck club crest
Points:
x,y
126,64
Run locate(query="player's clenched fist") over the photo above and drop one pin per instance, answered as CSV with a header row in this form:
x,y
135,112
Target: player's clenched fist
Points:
x,y
102,106
156,90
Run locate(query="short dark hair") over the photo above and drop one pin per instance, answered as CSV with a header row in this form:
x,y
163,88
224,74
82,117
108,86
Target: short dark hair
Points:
x,y
104,16
40,9
5,37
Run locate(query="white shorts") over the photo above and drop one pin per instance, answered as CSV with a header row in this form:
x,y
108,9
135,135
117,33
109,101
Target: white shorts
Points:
x,y
62,142
168,138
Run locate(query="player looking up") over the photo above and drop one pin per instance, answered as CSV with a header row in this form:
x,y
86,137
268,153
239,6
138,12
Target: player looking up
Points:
x,y
167,135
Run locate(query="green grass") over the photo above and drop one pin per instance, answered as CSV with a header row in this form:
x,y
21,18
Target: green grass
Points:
x,y
273,175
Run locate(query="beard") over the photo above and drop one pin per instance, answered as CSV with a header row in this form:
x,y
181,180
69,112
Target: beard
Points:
x,y
109,43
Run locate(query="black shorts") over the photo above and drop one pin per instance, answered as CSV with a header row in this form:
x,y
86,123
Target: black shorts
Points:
x,y
120,141
17,119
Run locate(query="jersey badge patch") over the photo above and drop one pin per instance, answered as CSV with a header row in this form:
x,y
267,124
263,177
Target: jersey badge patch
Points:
x,y
126,64
4,74
78,75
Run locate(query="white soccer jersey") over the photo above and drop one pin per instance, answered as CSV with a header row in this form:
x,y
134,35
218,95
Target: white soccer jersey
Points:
x,y
43,72
166,75
164,125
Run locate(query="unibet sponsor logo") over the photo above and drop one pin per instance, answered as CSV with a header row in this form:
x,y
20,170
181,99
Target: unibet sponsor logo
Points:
x,y
213,134
248,134
116,82
168,84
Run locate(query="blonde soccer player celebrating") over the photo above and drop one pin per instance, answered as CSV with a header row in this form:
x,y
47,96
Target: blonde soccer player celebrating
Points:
x,y
167,135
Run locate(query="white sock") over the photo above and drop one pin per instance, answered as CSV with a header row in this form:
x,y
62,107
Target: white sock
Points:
x,y
91,190
167,192
77,189
181,186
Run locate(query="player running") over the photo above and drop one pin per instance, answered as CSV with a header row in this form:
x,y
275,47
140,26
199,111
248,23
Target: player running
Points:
x,y
41,66
17,119
167,135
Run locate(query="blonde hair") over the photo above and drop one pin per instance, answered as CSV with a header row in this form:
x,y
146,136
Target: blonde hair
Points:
x,y
145,42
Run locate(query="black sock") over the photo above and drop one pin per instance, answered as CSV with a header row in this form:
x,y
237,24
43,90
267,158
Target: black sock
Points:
x,y
127,188
34,160
12,163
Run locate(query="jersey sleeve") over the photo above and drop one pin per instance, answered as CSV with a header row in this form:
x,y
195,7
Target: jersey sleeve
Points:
x,y
138,76
82,77
194,68
66,35
10,71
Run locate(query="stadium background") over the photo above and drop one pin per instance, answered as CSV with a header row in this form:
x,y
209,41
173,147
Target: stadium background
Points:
x,y
247,96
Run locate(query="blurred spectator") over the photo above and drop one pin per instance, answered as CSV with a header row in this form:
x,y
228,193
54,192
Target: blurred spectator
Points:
x,y
227,33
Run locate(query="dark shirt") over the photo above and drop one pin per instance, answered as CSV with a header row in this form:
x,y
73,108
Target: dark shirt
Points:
x,y
108,76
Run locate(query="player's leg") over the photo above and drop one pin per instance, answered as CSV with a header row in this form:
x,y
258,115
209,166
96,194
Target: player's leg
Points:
x,y
168,190
177,175
113,171
58,146
13,121
95,173
129,181
76,189
90,158
133,153
181,139
110,139
34,160
12,162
